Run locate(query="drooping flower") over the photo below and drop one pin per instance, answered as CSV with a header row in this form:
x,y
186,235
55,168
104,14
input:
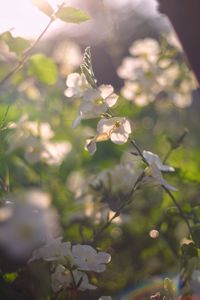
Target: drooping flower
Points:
x,y
88,259
154,173
154,158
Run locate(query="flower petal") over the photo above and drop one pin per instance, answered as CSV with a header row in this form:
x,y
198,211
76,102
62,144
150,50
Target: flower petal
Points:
x,y
90,146
73,80
106,90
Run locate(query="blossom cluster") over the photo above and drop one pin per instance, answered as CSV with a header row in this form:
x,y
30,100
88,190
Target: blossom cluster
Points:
x,y
71,263
35,139
96,103
151,73
120,180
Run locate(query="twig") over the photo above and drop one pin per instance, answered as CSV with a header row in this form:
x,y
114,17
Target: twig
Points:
x,y
175,144
179,208
29,50
25,56
127,201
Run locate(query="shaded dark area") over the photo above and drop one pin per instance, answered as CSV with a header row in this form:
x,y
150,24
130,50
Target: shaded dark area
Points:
x,y
184,15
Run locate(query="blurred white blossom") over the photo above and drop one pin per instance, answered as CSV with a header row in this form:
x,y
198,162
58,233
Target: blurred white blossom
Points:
x,y
26,226
54,250
153,72
154,175
147,48
62,278
35,139
68,56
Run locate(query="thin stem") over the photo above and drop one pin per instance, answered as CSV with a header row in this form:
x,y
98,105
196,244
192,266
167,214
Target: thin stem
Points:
x,y
135,145
179,208
175,144
127,201
164,188
4,117
28,51
168,154
136,186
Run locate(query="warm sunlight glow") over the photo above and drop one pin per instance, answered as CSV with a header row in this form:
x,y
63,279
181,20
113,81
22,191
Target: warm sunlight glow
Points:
x,y
22,17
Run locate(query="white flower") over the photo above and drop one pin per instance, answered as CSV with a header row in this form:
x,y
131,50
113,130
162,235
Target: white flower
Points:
x,y
147,48
54,250
41,129
88,259
33,150
62,278
132,68
76,85
55,152
154,158
132,91
82,282
95,102
68,56
154,172
117,129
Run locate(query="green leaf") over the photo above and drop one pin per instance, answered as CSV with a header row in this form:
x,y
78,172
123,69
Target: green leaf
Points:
x,y
44,6
72,15
10,277
43,68
15,44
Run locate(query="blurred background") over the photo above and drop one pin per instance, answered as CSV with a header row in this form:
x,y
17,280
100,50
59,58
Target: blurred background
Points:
x,y
43,161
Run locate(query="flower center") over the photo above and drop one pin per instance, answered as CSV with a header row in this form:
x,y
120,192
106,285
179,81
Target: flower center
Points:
x,y
99,101
117,124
